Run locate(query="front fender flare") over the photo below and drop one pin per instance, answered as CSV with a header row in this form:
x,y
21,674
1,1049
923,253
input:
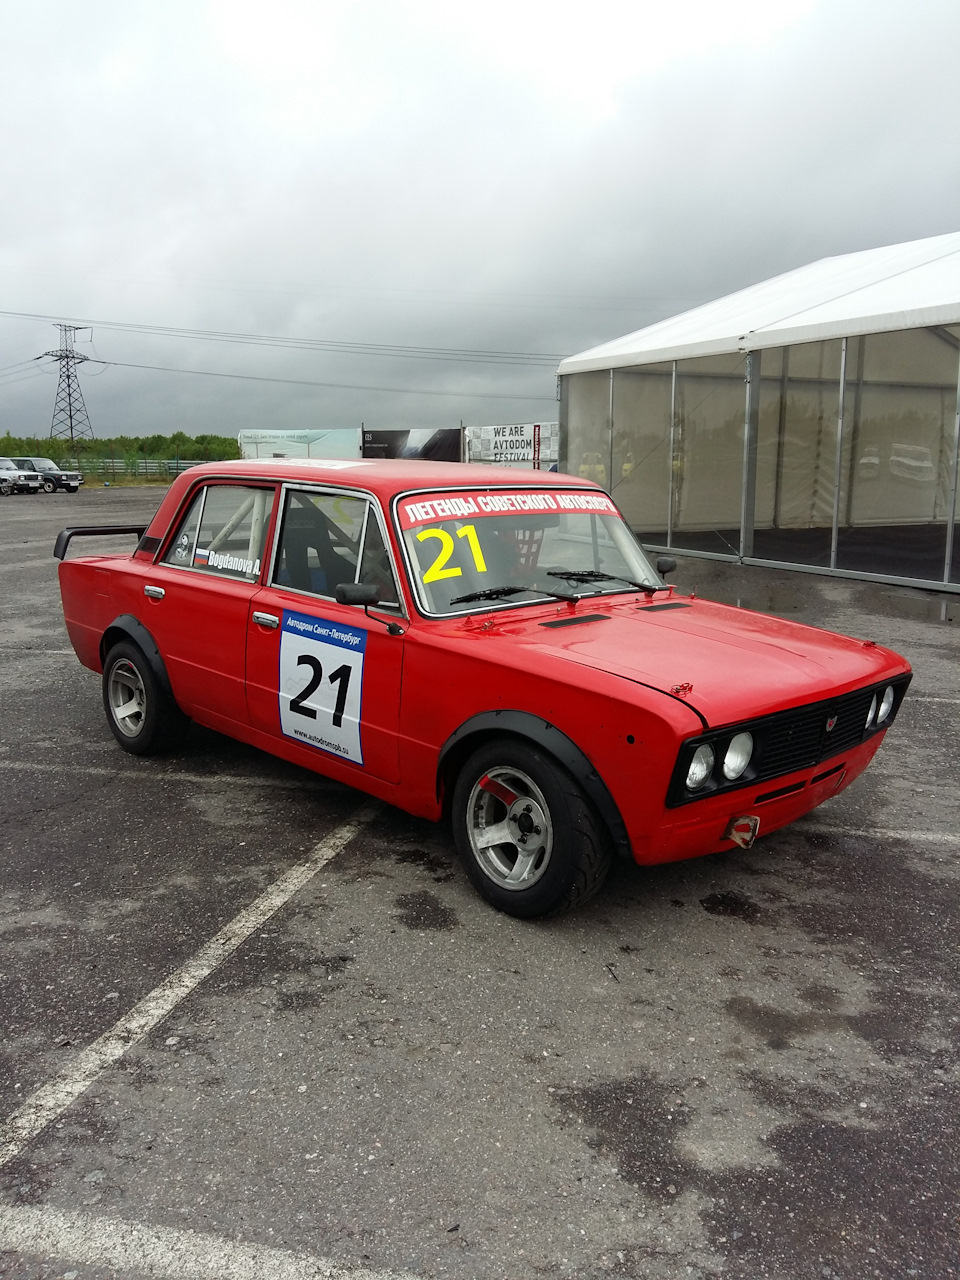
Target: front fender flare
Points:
x,y
522,724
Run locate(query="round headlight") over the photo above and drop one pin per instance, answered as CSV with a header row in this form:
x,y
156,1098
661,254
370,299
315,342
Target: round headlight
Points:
x,y
872,712
737,755
886,704
701,766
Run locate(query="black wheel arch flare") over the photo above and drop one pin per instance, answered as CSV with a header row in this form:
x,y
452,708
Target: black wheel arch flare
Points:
x,y
543,734
127,627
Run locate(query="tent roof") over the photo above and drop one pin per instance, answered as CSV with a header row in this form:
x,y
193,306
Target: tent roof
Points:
x,y
901,286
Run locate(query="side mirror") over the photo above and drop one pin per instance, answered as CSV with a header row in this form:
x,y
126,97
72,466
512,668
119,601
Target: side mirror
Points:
x,y
359,593
665,565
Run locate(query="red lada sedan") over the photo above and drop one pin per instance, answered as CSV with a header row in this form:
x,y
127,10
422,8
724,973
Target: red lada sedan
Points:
x,y
489,644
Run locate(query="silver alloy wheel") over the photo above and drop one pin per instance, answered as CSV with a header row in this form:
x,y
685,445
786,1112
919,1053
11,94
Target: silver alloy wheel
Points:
x,y
509,828
128,697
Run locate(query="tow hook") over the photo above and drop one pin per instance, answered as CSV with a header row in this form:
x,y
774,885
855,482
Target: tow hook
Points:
x,y
742,831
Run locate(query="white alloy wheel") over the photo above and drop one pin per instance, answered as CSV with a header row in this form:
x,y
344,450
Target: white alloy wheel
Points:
x,y
509,828
127,697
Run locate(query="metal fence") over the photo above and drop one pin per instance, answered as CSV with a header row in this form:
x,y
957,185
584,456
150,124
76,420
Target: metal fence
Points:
x,y
158,467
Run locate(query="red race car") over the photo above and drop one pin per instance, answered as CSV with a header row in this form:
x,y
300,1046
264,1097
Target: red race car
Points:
x,y
479,642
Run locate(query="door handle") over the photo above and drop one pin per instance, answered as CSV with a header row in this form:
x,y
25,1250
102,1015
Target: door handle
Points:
x,y
155,593
266,620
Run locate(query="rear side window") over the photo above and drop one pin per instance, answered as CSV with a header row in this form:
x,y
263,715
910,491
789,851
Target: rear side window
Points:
x,y
223,532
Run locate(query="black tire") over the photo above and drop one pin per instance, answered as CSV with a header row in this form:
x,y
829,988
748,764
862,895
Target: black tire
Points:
x,y
556,851
49,486
142,717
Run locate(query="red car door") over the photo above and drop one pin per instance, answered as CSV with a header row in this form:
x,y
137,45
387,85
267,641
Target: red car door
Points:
x,y
319,674
197,599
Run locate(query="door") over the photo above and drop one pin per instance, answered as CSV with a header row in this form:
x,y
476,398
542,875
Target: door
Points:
x,y
197,598
319,674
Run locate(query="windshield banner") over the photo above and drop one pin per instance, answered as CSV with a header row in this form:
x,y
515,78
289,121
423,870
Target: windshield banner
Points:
x,y
474,504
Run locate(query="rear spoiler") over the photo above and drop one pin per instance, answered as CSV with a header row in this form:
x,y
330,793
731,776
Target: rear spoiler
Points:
x,y
93,531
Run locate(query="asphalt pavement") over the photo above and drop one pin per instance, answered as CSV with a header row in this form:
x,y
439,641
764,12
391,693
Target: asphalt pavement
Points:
x,y
253,1024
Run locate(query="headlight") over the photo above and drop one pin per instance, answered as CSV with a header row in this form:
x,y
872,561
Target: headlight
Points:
x,y
886,704
701,766
872,712
737,755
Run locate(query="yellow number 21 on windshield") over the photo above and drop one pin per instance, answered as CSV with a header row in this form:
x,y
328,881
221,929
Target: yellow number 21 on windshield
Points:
x,y
438,569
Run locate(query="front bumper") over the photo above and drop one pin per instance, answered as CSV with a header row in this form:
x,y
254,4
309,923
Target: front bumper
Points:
x,y
699,829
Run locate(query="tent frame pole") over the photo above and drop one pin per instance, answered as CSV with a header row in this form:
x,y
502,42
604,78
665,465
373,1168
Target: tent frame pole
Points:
x,y
952,501
751,430
838,460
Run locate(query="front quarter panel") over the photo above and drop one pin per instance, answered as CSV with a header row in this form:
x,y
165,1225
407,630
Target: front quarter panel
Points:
x,y
629,733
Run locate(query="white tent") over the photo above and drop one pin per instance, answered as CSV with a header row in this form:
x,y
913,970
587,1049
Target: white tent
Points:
x,y
900,286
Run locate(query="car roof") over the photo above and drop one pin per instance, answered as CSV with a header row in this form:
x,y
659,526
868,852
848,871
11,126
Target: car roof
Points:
x,y
388,476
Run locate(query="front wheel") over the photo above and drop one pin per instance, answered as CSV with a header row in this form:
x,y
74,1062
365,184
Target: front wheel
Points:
x,y
142,717
49,486
528,837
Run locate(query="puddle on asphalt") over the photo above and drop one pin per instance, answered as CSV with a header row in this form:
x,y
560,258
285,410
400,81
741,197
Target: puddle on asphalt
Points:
x,y
881,599
902,602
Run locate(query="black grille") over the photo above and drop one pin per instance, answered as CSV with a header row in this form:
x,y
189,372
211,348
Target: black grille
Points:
x,y
797,739
789,741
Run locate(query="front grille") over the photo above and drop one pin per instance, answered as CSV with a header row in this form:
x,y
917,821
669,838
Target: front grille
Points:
x,y
789,741
794,740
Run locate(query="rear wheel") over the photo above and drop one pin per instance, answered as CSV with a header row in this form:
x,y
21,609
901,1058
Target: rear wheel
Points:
x,y
142,717
528,837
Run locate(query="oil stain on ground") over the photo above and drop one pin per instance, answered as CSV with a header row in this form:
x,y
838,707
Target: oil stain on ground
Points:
x,y
424,910
732,903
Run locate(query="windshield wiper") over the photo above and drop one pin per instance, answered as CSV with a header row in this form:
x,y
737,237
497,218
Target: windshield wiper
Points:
x,y
597,575
498,593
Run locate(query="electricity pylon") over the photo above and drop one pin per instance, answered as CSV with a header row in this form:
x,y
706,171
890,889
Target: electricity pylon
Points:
x,y
69,412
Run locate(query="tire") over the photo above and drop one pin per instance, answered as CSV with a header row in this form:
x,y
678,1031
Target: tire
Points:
x,y
49,486
555,851
142,718
73,488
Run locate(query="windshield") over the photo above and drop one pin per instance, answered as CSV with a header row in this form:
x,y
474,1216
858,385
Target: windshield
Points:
x,y
45,464
475,549
6,464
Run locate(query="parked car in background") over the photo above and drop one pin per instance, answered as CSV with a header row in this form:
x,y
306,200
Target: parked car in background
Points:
x,y
52,476
17,479
475,642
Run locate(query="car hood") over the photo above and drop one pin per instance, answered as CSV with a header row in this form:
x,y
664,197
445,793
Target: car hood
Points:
x,y
728,664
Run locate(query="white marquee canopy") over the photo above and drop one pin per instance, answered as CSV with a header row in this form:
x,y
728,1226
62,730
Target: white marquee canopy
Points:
x,y
900,286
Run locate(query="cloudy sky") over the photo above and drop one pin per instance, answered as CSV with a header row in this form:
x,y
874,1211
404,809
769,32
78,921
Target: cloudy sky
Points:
x,y
290,192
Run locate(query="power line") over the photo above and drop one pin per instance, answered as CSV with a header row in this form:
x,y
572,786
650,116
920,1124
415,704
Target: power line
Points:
x,y
463,355
340,386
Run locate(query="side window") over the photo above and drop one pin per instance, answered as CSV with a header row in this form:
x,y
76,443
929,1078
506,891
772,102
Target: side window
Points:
x,y
223,532
375,567
324,538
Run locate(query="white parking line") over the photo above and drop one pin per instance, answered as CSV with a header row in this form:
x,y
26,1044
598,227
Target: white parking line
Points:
x,y
160,1252
53,1098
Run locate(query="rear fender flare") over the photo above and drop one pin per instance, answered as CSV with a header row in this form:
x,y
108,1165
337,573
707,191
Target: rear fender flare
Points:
x,y
521,724
127,627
